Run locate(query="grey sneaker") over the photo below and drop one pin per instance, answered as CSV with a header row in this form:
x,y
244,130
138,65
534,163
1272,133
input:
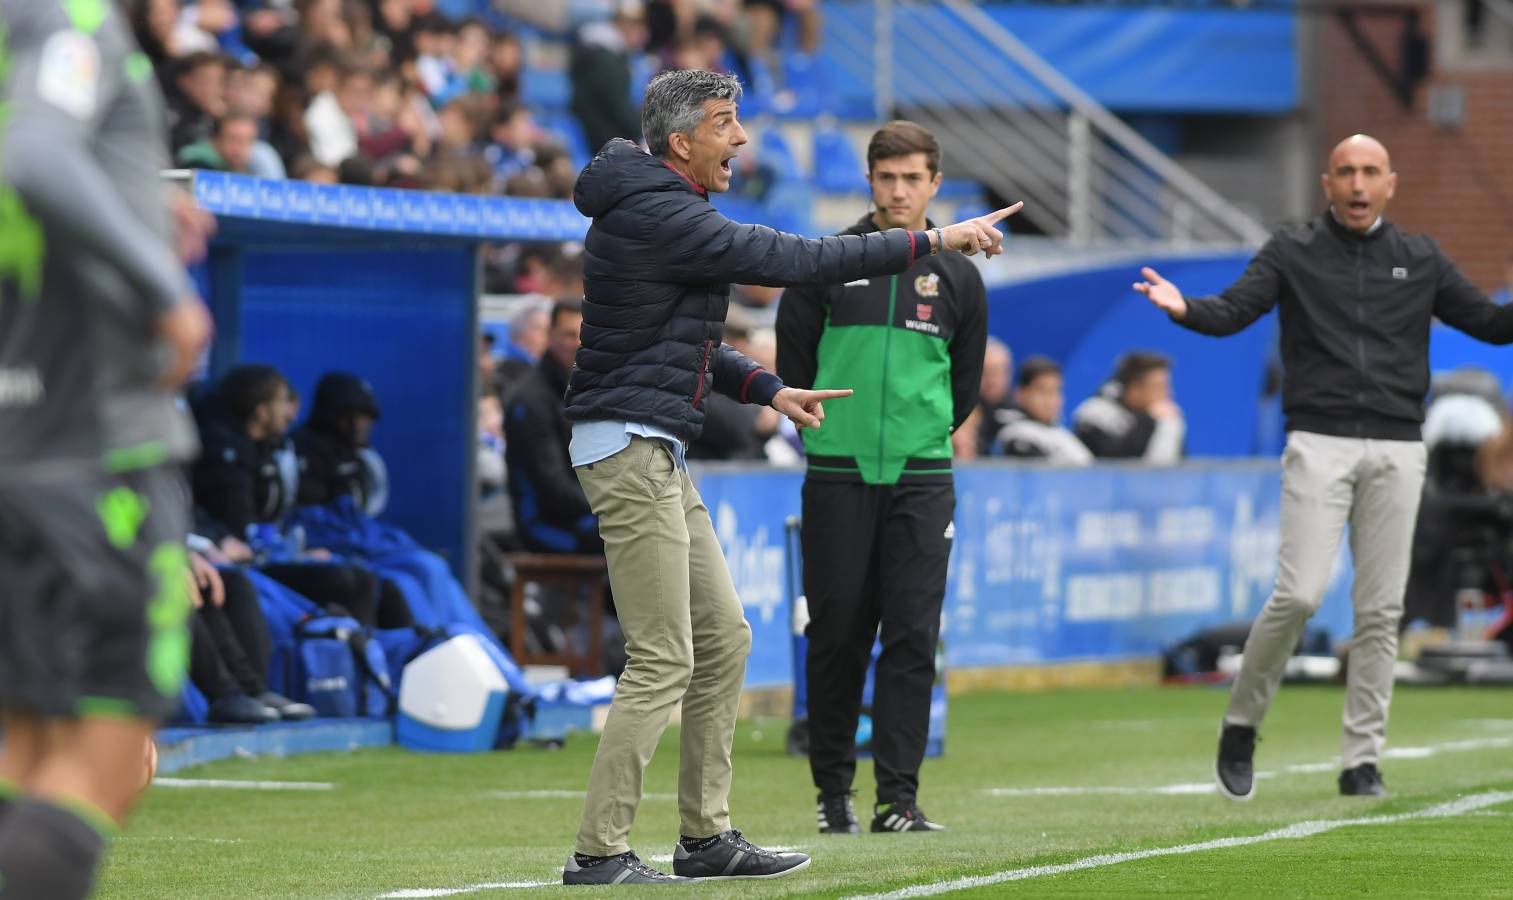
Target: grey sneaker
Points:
x,y
1362,781
1235,769
626,868
732,856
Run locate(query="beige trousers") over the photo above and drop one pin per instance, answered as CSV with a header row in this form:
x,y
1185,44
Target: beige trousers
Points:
x,y
686,639
1327,482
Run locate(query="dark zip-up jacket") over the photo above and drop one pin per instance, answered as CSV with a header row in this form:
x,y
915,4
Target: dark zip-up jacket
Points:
x,y
658,264
910,345
551,512
1355,313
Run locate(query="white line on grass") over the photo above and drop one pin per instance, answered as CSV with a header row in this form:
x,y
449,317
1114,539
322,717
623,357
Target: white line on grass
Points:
x,y
177,839
1208,787
1297,830
244,785
448,892
562,795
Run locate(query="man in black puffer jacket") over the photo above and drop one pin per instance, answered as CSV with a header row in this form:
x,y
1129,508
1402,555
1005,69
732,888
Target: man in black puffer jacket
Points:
x,y
658,263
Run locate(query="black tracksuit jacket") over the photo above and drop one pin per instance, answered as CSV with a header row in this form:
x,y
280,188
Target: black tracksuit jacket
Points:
x,y
1355,313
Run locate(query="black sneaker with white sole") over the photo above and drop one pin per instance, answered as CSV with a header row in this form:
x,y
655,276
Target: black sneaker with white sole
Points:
x,y
902,817
1362,781
626,868
729,855
837,815
1235,769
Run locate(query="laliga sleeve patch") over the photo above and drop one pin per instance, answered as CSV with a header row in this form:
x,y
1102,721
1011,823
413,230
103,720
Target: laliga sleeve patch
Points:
x,y
68,74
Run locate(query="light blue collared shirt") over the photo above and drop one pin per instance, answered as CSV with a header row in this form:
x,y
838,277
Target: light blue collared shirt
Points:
x,y
593,441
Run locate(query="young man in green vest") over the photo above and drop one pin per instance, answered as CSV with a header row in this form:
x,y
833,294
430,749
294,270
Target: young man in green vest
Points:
x,y
878,498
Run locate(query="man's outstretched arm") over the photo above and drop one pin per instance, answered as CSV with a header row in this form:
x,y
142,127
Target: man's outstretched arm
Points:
x,y
697,244
1240,304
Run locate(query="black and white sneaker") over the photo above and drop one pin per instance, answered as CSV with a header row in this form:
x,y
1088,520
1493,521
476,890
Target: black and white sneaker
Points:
x,y
1362,781
837,815
902,817
729,855
626,868
1235,770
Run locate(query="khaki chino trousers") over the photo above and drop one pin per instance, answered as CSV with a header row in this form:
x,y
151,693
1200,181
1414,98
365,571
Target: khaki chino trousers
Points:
x,y
1327,482
686,639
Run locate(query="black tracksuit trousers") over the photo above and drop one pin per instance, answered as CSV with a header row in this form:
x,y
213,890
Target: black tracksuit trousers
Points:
x,y
874,557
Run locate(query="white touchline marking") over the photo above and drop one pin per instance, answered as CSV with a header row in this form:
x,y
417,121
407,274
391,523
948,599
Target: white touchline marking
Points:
x,y
1208,787
1297,830
1310,768
244,785
562,795
448,892
178,839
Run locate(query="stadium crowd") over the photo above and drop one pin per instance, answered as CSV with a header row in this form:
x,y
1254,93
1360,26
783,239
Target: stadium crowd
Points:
x,y
394,93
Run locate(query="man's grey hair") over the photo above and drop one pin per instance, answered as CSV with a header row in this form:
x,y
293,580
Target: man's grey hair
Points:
x,y
528,309
675,103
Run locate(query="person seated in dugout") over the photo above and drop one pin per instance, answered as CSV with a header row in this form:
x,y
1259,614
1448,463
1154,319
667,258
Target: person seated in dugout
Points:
x,y
335,454
229,649
246,481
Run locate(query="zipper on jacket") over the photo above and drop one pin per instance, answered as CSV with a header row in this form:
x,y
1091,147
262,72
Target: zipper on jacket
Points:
x,y
1360,320
698,391
882,417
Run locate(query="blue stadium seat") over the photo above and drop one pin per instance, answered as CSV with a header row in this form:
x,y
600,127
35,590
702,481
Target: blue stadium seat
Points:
x,y
546,89
837,166
788,207
773,150
564,126
959,189
805,87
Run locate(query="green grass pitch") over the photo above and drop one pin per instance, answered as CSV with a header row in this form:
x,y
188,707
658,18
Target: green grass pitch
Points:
x,y
396,821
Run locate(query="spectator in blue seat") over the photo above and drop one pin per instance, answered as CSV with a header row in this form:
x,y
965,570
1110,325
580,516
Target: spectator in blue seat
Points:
x,y
1133,415
1031,428
993,400
600,70
197,99
551,513
228,149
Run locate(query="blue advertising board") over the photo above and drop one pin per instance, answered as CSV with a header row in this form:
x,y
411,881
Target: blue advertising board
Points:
x,y
1050,565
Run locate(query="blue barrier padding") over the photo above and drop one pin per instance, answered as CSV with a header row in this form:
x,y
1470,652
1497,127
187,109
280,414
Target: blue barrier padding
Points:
x,y
1086,319
1049,565
1450,349
179,748
297,212
402,319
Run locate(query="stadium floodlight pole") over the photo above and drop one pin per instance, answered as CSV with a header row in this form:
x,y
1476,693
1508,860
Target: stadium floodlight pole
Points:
x,y
882,55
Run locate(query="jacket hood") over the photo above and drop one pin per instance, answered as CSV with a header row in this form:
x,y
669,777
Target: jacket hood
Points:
x,y
620,170
338,394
